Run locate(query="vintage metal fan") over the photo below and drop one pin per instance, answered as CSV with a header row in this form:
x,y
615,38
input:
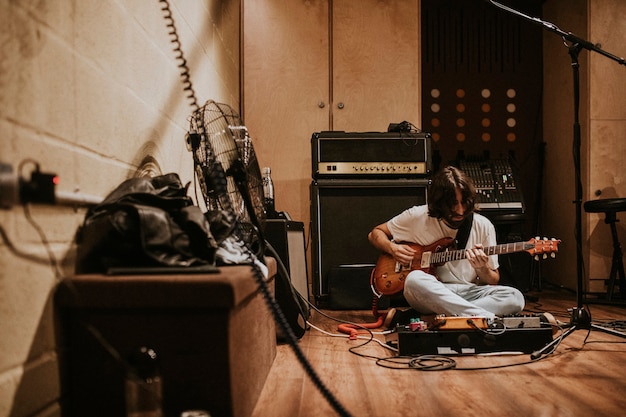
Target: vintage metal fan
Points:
x,y
227,168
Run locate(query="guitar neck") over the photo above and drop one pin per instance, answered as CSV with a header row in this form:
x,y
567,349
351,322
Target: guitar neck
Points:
x,y
455,255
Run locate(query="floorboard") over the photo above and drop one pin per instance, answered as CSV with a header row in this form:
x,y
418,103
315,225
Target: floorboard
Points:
x,y
585,375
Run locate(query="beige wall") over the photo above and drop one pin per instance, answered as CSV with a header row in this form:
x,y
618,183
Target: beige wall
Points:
x,y
88,89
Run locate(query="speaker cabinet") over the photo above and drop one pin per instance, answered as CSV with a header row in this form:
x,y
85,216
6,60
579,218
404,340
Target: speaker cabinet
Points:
x,y
343,212
287,239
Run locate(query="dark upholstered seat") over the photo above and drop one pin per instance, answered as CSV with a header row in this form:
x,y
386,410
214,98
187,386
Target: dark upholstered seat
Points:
x,y
213,333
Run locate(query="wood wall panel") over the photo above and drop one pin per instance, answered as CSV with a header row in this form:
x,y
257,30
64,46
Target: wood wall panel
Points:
x,y
558,210
285,80
607,133
603,127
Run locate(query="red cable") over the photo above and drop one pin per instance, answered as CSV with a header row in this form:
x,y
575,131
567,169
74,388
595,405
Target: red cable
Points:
x,y
353,329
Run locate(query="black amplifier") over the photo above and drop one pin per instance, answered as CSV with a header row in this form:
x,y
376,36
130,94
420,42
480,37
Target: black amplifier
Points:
x,y
339,154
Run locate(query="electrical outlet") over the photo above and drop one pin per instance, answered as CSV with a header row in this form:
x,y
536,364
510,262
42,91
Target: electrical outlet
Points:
x,y
40,189
9,187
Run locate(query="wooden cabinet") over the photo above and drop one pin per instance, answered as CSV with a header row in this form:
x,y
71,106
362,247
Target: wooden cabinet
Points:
x,y
316,65
375,64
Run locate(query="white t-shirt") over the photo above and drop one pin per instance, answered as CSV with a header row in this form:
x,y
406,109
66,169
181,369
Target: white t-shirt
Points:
x,y
416,226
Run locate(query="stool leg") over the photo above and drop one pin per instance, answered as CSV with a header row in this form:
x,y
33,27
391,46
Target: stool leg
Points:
x,y
617,264
619,269
535,273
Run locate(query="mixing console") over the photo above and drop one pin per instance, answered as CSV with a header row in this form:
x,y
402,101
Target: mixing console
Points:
x,y
495,183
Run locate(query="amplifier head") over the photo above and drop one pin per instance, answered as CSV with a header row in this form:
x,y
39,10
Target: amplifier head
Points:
x,y
339,154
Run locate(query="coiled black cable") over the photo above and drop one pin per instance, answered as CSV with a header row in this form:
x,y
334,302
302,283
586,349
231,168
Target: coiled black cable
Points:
x,y
280,318
180,56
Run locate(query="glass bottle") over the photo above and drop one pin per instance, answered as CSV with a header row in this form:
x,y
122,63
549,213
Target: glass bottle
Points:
x,y
143,385
268,192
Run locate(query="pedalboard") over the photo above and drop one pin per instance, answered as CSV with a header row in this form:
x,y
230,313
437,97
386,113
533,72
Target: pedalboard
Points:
x,y
471,341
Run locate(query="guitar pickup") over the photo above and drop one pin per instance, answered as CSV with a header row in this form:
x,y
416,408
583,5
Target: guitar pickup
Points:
x,y
425,261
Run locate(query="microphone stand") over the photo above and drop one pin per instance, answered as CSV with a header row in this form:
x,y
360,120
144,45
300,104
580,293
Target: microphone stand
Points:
x,y
580,317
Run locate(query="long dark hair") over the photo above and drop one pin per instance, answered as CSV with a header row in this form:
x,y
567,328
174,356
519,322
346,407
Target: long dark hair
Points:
x,y
442,192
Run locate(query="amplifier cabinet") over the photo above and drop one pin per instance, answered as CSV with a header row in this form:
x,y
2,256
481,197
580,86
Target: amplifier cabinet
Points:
x,y
287,239
337,154
343,212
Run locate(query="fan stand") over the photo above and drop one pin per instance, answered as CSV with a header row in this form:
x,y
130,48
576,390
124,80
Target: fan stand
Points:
x,y
580,317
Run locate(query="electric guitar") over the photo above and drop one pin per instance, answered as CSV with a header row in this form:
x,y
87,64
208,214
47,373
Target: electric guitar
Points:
x,y
388,276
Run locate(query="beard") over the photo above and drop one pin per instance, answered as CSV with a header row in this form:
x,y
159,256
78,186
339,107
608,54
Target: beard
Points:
x,y
454,221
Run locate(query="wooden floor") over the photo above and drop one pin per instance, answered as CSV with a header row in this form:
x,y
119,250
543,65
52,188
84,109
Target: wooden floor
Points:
x,y
585,376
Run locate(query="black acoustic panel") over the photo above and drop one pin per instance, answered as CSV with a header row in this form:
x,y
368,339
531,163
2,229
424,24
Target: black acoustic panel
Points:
x,y
343,212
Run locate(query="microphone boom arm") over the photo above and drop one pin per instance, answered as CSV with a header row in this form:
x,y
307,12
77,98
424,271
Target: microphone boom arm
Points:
x,y
567,36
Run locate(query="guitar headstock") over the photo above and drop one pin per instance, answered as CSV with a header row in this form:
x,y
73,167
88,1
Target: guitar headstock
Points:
x,y
545,246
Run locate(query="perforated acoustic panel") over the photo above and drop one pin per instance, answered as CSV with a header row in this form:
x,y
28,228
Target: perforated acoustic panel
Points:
x,y
482,84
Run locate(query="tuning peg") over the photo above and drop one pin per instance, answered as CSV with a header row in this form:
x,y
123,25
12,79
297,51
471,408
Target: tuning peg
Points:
x,y
553,255
536,257
545,256
545,238
537,238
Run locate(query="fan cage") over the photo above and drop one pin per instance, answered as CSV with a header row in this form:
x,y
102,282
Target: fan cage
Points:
x,y
227,168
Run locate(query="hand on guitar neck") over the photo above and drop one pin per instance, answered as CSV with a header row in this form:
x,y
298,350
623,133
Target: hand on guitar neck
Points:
x,y
479,260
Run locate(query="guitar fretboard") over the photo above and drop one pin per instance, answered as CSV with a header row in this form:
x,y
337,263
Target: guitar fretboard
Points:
x,y
455,255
